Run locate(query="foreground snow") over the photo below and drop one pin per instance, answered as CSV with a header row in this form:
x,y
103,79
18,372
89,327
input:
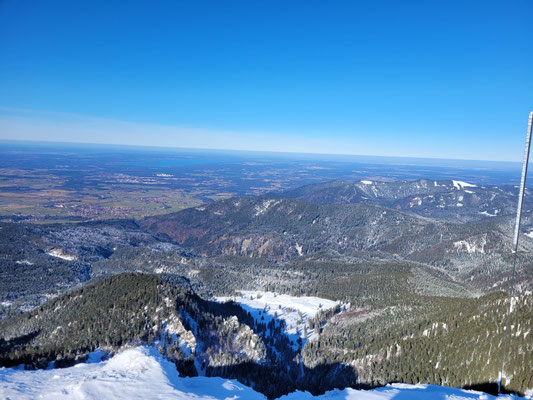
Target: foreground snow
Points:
x,y
138,373
399,391
142,373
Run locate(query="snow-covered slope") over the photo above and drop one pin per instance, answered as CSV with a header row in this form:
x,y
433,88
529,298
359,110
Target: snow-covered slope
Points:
x,y
142,373
137,373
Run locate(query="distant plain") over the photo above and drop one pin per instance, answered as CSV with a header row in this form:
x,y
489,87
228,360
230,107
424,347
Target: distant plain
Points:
x,y
59,182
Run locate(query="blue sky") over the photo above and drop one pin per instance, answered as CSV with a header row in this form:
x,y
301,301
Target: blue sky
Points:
x,y
449,79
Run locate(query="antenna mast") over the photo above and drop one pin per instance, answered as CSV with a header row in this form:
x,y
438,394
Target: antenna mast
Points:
x,y
515,243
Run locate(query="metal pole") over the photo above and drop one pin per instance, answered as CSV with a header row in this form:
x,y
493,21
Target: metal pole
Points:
x,y
515,242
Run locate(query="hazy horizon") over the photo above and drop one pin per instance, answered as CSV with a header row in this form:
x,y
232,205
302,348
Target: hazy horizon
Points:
x,y
317,156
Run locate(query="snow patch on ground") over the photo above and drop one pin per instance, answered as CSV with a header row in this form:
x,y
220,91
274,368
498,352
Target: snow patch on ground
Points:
x,y
143,374
23,262
367,182
416,201
470,247
489,214
461,185
59,254
261,209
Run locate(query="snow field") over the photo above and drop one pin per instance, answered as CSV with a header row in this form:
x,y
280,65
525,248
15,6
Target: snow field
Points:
x,y
295,311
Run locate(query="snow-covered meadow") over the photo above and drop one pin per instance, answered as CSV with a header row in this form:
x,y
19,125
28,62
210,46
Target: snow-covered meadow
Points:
x,y
143,374
293,310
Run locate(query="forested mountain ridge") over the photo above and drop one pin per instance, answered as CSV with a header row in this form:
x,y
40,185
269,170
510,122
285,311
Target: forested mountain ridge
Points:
x,y
127,309
451,200
285,230
454,342
199,336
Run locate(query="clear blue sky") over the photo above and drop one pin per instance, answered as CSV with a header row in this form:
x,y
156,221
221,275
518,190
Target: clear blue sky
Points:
x,y
450,79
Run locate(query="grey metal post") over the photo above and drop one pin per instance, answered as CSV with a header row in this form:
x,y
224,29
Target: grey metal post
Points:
x,y
515,242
